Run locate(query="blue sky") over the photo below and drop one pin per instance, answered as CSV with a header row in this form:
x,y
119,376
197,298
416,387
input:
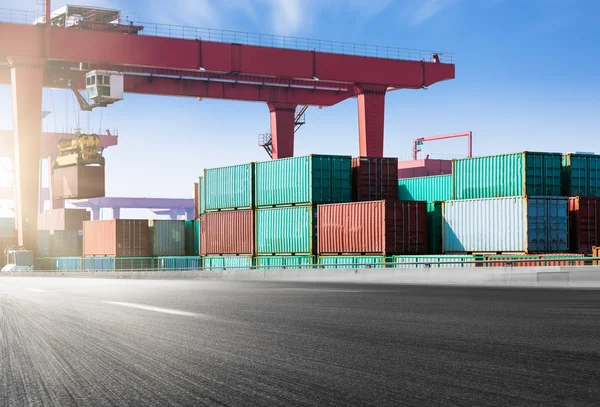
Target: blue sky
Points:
x,y
527,78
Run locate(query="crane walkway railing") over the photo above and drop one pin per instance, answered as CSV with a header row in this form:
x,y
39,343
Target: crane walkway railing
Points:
x,y
257,39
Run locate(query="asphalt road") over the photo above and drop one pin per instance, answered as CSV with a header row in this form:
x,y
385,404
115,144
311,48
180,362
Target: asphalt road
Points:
x,y
95,342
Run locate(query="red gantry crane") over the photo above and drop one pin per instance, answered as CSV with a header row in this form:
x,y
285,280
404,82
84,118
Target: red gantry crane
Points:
x,y
63,49
419,142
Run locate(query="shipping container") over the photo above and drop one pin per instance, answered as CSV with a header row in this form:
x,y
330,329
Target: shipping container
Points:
x,y
59,243
67,264
228,188
196,200
434,188
352,262
435,225
511,224
437,261
185,263
565,260
519,174
119,264
192,237
227,262
99,263
227,232
584,222
314,179
8,229
424,168
558,260
581,175
116,238
201,196
166,237
374,178
375,227
286,230
283,262
78,182
63,219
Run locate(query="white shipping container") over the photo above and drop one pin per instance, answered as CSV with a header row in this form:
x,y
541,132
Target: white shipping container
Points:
x,y
509,224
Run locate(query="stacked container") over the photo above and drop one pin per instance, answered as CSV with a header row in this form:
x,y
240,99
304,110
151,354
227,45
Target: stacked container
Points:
x,y
226,202
60,233
116,238
166,238
287,192
374,178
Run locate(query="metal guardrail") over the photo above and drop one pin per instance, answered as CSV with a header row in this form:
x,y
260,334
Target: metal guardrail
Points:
x,y
256,39
509,264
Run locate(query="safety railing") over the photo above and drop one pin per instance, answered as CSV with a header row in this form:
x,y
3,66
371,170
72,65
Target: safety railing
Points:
x,y
257,39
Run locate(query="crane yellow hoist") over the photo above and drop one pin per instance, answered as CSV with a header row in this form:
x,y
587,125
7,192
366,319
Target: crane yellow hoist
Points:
x,y
83,150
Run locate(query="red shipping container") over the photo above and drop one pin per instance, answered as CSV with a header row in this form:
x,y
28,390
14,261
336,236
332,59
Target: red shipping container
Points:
x,y
63,219
564,260
584,218
227,232
376,227
424,168
374,178
78,182
116,238
196,201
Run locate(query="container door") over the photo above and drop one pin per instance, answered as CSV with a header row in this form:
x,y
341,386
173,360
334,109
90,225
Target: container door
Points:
x,y
537,228
593,176
557,210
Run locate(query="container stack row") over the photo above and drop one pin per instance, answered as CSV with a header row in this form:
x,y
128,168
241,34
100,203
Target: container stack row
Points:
x,y
513,203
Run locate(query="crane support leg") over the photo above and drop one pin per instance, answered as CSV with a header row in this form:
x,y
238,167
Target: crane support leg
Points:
x,y
282,129
371,111
27,79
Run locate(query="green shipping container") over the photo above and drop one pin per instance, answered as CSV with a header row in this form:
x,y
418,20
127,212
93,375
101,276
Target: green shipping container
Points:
x,y
166,237
314,179
519,174
287,230
192,238
435,226
581,175
201,196
346,262
185,263
398,260
227,262
119,264
434,188
290,262
229,188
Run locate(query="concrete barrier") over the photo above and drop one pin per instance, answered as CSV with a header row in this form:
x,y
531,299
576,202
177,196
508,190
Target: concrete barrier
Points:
x,y
585,276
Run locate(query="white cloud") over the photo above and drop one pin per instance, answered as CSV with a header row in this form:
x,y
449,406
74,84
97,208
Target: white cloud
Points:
x,y
431,8
286,16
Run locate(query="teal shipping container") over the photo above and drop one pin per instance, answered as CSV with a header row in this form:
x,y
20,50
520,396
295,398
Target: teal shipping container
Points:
x,y
227,262
201,196
347,262
99,263
313,179
192,238
229,188
185,263
67,264
166,237
433,188
435,226
581,175
432,261
287,230
519,174
290,262
119,264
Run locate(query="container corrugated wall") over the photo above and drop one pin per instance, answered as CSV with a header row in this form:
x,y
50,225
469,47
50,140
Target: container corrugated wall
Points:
x,y
228,187
313,179
429,261
228,232
290,262
201,196
520,174
166,237
179,263
7,228
59,243
78,182
227,262
192,237
434,188
510,224
581,175
435,226
374,178
286,230
67,264
347,262
63,219
375,227
584,218
116,238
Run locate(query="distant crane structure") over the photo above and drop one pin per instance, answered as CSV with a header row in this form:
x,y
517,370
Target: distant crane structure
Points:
x,y
419,142
265,140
